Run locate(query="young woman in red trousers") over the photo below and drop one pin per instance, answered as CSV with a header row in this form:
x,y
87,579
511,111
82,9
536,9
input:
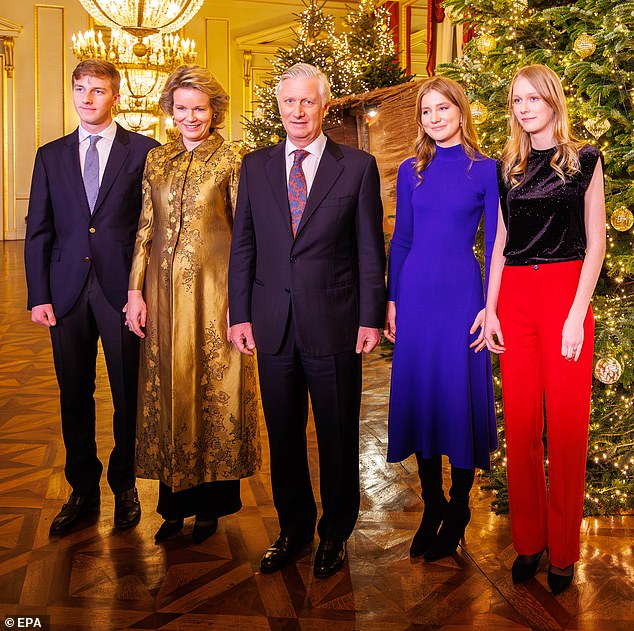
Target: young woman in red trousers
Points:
x,y
548,253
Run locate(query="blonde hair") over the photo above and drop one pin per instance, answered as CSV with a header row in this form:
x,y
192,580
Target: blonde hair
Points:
x,y
425,145
198,78
565,161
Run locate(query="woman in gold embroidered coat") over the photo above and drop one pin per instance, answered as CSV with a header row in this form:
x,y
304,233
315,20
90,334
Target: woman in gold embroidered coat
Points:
x,y
197,417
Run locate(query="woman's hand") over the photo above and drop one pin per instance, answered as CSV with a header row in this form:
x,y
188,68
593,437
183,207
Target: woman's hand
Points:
x,y
572,339
491,331
390,322
479,343
136,312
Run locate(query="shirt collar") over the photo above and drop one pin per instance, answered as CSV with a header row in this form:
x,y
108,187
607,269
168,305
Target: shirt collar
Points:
x,y
109,132
315,148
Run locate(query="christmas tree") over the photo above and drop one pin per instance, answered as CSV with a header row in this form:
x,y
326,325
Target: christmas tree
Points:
x,y
370,38
590,45
354,61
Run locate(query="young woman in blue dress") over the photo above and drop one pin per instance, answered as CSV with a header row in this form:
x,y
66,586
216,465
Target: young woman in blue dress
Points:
x,y
547,257
441,400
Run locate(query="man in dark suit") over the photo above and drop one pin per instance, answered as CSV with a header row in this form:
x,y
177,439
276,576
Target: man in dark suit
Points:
x,y
83,212
306,286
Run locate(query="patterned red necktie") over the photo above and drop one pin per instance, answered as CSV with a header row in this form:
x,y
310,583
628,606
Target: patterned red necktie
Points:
x,y
297,190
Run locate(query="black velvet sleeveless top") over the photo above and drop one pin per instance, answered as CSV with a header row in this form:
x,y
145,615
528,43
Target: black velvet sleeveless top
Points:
x,y
544,216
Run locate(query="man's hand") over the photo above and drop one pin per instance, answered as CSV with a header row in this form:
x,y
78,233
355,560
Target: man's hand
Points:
x,y
43,314
241,335
367,339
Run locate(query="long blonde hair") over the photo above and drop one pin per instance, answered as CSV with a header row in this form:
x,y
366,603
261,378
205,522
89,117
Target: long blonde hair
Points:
x,y
565,161
425,146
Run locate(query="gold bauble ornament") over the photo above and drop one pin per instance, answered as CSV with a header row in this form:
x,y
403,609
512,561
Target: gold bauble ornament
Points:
x,y
486,43
330,60
622,219
479,112
597,126
274,138
584,45
608,370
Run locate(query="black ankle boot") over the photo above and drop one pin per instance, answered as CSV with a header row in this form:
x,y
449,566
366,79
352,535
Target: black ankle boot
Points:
x,y
457,516
428,530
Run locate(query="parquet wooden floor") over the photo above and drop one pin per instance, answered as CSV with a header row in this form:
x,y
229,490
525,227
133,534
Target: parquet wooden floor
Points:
x,y
102,579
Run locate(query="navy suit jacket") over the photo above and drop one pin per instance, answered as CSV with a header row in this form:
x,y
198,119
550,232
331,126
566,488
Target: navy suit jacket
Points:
x,y
331,275
63,240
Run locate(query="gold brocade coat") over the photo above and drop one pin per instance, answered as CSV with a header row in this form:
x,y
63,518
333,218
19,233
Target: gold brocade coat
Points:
x,y
197,411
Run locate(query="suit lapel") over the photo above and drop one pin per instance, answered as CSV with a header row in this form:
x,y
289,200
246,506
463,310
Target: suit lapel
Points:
x,y
328,172
118,155
73,169
275,169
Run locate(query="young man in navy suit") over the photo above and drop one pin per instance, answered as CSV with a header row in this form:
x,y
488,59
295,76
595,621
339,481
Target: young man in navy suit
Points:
x,y
306,287
83,212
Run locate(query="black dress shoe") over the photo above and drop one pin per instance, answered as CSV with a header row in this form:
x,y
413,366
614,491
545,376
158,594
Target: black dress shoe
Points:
x,y
330,557
281,553
127,509
559,582
74,511
525,567
430,523
202,533
168,529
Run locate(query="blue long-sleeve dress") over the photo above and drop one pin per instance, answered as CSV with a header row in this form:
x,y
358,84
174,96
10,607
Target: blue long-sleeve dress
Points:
x,y
441,399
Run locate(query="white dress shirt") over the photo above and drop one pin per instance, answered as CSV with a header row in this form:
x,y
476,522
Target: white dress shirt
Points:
x,y
311,161
103,146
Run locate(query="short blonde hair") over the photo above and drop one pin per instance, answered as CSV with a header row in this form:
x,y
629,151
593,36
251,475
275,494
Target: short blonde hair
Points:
x,y
201,79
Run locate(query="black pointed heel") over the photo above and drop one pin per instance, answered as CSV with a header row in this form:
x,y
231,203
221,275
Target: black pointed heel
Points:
x,y
525,567
559,582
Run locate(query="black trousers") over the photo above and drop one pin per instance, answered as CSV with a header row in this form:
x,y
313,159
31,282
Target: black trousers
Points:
x,y
207,500
74,340
334,384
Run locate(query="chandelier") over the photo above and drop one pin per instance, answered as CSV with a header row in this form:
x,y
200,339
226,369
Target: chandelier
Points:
x,y
143,17
144,64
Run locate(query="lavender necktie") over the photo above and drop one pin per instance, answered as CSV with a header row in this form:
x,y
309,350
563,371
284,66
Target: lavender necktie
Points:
x,y
91,173
297,189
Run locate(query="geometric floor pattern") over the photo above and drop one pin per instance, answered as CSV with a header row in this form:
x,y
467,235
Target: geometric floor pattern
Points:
x,y
99,578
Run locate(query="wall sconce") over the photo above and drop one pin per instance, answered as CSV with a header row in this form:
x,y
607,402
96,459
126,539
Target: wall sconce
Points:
x,y
247,66
371,115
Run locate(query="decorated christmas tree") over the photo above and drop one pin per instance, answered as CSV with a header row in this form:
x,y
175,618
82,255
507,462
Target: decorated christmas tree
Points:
x,y
370,39
590,44
354,61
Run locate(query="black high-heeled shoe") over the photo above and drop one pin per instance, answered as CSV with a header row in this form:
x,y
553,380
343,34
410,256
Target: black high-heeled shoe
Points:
x,y
168,529
525,567
559,582
202,533
428,530
450,533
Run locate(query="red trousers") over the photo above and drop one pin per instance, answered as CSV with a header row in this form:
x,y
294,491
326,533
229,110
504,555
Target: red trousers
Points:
x,y
533,305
